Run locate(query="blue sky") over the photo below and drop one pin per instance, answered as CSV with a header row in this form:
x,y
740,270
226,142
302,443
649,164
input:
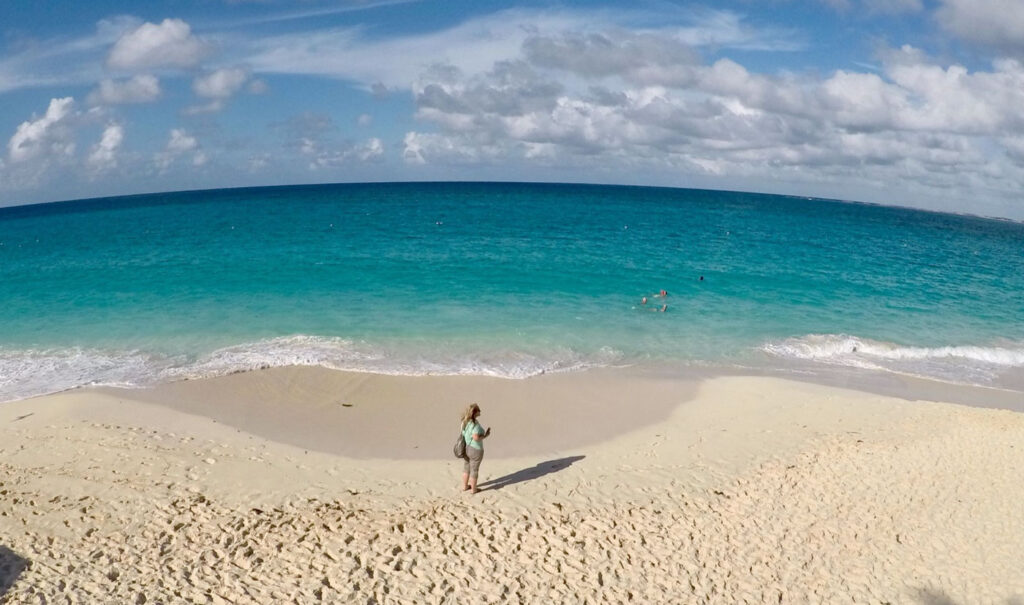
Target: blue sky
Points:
x,y
909,102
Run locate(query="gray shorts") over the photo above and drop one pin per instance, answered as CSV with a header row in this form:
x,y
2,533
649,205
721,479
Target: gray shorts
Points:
x,y
471,461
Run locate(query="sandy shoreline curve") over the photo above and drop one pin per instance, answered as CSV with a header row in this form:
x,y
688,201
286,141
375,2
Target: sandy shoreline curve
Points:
x,y
310,486
362,415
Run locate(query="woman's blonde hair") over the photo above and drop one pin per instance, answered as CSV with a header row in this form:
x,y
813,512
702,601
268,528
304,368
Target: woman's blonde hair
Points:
x,y
470,414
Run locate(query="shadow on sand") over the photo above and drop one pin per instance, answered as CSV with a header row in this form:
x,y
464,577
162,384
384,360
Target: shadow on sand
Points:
x,y
928,596
11,566
534,472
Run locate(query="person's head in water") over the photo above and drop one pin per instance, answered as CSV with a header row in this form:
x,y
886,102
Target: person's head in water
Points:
x,y
663,293
643,301
470,414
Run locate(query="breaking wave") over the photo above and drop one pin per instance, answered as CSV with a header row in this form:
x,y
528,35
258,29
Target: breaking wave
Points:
x,y
965,364
27,373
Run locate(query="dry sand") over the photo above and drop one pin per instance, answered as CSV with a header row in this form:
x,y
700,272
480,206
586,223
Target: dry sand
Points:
x,y
304,486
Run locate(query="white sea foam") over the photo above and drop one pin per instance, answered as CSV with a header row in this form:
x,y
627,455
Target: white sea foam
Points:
x,y
26,373
956,363
343,354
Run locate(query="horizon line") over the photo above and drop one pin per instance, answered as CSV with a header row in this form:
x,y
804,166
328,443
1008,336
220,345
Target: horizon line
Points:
x,y
38,205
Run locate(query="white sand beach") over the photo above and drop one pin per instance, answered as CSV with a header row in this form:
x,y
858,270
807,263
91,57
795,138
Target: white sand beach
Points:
x,y
299,485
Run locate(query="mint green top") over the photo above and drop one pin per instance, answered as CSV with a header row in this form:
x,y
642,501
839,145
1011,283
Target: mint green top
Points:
x,y
473,427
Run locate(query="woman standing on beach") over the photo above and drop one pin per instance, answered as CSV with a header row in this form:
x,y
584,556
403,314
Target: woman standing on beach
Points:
x,y
474,434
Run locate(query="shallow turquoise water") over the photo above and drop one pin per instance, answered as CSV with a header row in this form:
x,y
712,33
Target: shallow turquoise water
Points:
x,y
501,279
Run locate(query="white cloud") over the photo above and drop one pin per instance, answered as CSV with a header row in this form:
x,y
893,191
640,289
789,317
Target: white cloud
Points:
x,y
639,57
476,44
308,146
371,149
343,53
220,84
1014,147
322,157
49,135
42,149
996,23
607,92
413,146
913,93
952,99
719,29
862,101
142,88
180,144
312,135
103,155
421,148
150,45
936,129
181,141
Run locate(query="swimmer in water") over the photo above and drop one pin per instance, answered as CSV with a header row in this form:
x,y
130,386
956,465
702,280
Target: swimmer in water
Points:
x,y
661,294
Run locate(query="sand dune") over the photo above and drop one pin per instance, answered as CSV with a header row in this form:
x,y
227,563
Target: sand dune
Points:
x,y
749,490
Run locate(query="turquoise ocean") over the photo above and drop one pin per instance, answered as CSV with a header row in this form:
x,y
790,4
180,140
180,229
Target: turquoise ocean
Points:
x,y
500,279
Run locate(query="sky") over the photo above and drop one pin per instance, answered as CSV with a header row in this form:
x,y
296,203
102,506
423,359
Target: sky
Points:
x,y
916,103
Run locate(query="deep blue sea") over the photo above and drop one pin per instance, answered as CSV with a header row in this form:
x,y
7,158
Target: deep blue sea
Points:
x,y
498,279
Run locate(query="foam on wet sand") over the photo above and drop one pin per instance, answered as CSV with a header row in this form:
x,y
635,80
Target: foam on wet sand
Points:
x,y
599,486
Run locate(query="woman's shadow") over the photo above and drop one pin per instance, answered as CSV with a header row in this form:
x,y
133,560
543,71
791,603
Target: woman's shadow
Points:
x,y
534,472
11,566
